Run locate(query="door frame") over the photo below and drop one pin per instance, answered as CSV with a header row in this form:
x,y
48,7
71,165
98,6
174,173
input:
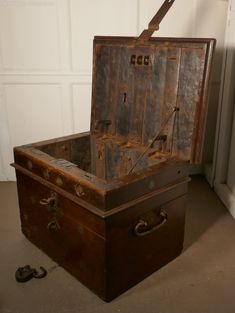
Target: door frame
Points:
x,y
225,120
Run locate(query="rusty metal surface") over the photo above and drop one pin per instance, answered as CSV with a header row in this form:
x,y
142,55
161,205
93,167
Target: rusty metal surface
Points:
x,y
76,197
118,251
132,96
98,196
136,95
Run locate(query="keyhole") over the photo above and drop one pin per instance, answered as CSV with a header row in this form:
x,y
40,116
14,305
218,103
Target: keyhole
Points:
x,y
124,97
100,156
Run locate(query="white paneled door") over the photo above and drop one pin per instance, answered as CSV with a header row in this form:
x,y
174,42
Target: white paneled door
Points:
x,y
46,59
231,164
224,163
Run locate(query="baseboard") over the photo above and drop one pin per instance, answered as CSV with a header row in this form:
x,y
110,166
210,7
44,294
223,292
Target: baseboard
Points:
x,y
208,174
195,169
10,177
226,196
3,177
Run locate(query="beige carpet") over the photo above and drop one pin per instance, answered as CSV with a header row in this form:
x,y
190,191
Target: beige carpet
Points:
x,y
201,280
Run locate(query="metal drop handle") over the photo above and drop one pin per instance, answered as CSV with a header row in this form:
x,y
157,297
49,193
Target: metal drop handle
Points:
x,y
138,230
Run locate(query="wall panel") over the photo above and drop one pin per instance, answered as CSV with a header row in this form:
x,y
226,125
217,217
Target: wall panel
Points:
x,y
34,112
103,17
209,26
81,106
29,35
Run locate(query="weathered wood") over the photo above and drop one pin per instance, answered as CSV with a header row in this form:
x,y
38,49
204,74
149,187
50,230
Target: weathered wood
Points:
x,y
133,258
70,245
93,248
141,95
152,116
108,228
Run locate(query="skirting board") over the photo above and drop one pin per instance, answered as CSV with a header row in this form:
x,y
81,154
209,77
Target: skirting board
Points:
x,y
226,197
207,170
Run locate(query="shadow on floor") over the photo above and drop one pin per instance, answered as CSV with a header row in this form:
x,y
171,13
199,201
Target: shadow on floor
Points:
x,y
204,209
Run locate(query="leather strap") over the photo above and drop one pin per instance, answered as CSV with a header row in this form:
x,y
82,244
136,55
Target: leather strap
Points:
x,y
155,22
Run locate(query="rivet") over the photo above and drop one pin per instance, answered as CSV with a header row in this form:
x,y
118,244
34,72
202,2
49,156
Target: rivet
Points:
x,y
151,184
25,217
34,228
30,165
59,181
33,200
80,229
79,190
46,174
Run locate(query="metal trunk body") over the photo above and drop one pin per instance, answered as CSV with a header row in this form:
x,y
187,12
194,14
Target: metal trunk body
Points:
x,y
109,205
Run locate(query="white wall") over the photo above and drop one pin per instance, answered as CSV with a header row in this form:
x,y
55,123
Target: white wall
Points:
x,y
46,57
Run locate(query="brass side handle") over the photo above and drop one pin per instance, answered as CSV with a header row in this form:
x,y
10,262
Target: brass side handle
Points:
x,y
141,226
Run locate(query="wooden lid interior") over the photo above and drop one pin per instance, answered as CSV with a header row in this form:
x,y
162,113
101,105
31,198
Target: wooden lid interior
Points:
x,y
136,88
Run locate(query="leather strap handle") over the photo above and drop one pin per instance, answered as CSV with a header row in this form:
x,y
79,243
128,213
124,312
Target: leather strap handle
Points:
x,y
155,22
